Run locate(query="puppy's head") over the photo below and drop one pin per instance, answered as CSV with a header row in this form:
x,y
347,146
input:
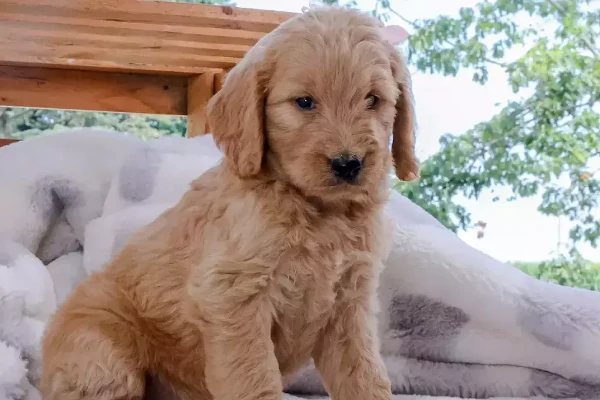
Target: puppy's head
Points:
x,y
315,103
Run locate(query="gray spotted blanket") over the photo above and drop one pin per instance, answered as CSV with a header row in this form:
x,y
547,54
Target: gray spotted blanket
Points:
x,y
453,321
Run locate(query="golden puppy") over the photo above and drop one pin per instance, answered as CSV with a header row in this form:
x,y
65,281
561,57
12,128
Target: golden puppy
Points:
x,y
270,258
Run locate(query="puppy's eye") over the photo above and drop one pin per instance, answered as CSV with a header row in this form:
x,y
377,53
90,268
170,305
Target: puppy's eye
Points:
x,y
372,101
305,103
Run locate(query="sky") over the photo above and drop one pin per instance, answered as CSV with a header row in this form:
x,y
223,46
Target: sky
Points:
x,y
515,231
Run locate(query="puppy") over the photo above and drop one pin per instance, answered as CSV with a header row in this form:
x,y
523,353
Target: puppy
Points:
x,y
271,257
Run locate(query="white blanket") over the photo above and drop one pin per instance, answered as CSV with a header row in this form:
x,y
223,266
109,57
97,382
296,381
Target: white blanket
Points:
x,y
453,321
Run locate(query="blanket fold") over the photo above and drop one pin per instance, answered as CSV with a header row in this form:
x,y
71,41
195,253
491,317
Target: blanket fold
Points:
x,y
453,321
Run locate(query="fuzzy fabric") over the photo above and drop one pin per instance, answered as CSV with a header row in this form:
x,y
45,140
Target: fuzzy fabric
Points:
x,y
452,322
401,397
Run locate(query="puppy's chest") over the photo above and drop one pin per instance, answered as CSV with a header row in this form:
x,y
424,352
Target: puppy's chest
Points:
x,y
311,262
306,282
303,299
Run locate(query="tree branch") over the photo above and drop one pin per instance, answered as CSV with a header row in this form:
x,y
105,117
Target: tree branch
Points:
x,y
563,14
571,110
417,27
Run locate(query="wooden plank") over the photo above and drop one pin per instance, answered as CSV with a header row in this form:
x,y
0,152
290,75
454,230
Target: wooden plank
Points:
x,y
161,67
60,37
6,142
64,40
133,29
217,85
129,35
200,90
153,12
24,50
93,91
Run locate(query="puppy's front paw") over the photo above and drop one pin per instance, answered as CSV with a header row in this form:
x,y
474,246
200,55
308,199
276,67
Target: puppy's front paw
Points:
x,y
365,386
380,389
96,386
383,390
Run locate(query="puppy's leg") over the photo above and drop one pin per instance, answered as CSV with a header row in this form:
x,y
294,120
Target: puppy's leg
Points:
x,y
235,319
90,349
347,352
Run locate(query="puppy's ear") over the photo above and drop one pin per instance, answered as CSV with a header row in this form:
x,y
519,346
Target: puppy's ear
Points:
x,y
236,117
394,34
403,142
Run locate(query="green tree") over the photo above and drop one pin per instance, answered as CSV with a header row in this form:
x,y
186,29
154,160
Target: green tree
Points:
x,y
550,136
547,141
567,270
21,123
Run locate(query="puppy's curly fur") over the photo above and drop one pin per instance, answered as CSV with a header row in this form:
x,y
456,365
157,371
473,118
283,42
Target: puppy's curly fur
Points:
x,y
269,259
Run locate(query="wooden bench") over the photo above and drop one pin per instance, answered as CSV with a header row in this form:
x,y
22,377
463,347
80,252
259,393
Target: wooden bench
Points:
x,y
123,55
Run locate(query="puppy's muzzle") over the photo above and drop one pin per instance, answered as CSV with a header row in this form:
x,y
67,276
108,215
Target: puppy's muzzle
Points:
x,y
346,167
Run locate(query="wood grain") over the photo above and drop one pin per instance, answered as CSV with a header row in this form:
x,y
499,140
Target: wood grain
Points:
x,y
93,91
129,35
200,90
62,38
168,13
30,51
134,29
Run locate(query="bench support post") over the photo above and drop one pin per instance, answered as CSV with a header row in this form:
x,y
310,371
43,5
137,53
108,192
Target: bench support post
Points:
x,y
200,90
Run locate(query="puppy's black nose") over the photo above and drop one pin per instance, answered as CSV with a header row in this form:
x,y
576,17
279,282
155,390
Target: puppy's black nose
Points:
x,y
346,166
